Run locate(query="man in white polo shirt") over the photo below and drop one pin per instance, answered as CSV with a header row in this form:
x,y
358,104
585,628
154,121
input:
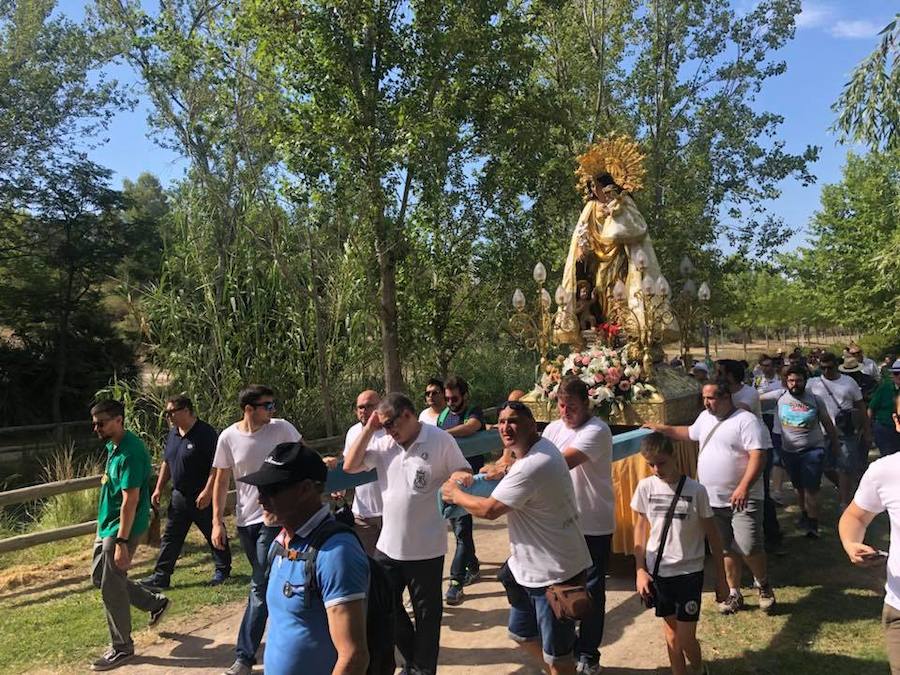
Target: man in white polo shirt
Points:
x,y
585,442
241,449
545,541
732,455
367,497
412,460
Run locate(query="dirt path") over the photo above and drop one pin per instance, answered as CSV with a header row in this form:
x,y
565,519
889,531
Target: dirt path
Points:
x,y
473,637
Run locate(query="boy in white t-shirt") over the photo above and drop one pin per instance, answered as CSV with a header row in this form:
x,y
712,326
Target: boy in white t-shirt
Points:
x,y
678,586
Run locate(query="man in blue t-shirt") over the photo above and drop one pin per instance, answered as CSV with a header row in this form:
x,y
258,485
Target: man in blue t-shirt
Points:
x,y
326,632
460,419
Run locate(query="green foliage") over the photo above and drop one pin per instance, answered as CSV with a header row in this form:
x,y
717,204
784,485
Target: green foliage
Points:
x,y
869,106
854,234
68,508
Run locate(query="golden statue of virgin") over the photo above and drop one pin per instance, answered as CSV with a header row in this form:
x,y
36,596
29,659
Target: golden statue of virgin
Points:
x,y
610,241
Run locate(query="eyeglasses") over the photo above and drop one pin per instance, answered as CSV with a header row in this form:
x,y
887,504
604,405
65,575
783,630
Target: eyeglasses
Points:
x,y
99,424
388,424
171,411
267,405
431,392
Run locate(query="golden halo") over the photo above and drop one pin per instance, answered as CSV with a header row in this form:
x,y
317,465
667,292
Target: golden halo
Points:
x,y
619,156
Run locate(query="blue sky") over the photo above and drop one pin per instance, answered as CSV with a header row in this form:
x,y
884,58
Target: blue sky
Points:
x,y
832,38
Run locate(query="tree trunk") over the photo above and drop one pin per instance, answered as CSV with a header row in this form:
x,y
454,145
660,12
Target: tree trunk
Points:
x,y
61,357
321,341
387,315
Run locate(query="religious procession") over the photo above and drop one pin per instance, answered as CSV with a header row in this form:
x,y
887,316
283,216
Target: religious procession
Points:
x,y
472,338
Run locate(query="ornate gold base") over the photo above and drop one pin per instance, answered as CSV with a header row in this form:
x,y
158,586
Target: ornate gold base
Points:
x,y
677,402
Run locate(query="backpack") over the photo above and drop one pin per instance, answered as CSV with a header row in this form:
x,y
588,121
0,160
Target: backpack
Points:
x,y
380,608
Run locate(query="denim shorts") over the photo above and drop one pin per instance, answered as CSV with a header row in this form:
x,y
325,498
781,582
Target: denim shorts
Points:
x,y
741,531
805,467
531,619
848,457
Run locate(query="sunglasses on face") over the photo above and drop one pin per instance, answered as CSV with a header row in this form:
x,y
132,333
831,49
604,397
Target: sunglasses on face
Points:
x,y
266,405
171,411
389,423
431,392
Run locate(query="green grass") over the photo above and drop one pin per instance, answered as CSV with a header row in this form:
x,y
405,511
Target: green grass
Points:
x,y
59,624
827,619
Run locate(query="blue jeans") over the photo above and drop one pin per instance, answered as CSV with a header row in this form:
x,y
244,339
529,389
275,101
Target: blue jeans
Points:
x,y
590,630
256,540
464,558
532,620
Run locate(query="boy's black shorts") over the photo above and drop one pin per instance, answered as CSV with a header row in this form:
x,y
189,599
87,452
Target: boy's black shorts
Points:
x,y
679,595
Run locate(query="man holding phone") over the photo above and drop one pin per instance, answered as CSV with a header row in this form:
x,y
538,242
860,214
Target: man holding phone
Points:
x,y
879,490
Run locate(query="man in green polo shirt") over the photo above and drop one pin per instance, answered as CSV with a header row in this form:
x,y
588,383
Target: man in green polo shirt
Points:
x,y
882,407
122,517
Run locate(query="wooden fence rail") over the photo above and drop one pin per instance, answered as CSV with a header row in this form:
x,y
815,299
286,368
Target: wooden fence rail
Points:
x,y
338,480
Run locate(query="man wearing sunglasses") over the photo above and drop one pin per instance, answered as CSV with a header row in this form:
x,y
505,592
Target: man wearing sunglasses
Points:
x,y
545,538
413,460
460,419
866,365
321,631
187,460
123,515
242,448
434,397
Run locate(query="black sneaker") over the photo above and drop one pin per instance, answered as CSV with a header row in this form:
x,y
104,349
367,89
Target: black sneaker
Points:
x,y
219,578
473,574
157,614
154,583
113,658
454,595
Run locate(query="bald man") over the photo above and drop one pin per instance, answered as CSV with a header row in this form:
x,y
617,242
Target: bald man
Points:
x,y
367,499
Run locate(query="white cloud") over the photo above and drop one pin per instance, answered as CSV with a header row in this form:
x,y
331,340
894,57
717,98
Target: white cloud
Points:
x,y
859,28
813,14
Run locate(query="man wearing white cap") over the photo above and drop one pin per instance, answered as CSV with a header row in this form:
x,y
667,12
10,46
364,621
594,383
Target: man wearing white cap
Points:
x,y
700,371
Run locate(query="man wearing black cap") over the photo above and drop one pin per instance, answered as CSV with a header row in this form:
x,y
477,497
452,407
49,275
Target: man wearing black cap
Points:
x,y
328,633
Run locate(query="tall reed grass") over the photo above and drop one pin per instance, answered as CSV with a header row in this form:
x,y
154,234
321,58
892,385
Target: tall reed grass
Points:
x,y
69,508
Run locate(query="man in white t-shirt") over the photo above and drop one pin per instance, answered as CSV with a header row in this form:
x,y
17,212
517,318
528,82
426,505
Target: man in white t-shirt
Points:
x,y
434,397
879,491
585,442
732,455
546,543
844,401
412,460
367,497
241,449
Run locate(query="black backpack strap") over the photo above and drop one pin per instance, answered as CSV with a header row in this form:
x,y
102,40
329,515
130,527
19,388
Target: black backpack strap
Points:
x,y
320,535
276,549
670,514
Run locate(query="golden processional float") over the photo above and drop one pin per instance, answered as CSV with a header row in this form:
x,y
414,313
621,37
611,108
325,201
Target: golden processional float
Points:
x,y
614,310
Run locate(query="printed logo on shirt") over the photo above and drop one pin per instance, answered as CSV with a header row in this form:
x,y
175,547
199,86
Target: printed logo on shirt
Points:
x,y
421,479
190,446
659,504
798,415
424,455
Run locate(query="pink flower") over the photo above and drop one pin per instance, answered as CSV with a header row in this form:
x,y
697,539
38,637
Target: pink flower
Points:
x,y
598,378
585,360
592,392
624,385
614,373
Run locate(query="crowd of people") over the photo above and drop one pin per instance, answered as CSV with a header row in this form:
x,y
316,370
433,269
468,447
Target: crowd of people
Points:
x,y
337,596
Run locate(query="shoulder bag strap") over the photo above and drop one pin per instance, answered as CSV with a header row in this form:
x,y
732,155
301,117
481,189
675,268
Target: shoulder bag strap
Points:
x,y
443,415
712,433
670,514
828,389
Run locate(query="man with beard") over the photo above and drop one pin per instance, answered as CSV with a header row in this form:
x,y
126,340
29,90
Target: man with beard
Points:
x,y
460,419
802,415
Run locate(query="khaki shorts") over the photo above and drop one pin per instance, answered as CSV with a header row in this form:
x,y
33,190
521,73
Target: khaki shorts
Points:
x,y
741,531
890,619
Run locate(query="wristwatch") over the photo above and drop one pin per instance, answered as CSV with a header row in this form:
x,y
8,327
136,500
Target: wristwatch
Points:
x,y
121,540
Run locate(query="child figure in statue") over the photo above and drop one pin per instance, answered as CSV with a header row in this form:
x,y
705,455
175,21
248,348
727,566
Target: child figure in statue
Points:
x,y
610,241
